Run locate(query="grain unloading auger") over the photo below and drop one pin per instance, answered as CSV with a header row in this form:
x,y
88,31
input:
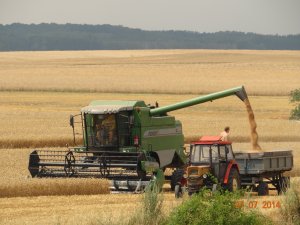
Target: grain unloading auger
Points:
x,y
124,141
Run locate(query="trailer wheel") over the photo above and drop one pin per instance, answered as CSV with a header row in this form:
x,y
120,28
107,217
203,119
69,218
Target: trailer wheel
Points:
x,y
262,189
283,184
178,191
234,182
176,178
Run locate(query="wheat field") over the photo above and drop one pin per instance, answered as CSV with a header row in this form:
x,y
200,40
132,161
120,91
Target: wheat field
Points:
x,y
39,90
26,200
67,210
16,180
87,206
33,119
147,71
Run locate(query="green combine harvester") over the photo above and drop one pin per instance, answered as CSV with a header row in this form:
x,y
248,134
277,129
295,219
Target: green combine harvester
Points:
x,y
127,142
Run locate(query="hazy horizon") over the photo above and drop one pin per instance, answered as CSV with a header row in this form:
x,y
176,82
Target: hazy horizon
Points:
x,y
148,29
255,16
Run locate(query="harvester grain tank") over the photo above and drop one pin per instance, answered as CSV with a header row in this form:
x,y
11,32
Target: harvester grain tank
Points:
x,y
125,141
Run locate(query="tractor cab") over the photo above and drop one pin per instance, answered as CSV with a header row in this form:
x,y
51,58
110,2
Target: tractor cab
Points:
x,y
210,150
211,162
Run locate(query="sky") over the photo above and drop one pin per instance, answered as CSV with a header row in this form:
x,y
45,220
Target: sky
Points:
x,y
259,16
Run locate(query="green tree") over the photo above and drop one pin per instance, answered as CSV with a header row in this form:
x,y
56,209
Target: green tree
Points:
x,y
295,98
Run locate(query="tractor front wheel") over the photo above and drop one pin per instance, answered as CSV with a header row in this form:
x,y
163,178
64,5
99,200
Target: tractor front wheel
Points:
x,y
178,191
176,178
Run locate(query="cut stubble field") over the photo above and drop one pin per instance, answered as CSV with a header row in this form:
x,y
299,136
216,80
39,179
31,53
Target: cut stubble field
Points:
x,y
39,90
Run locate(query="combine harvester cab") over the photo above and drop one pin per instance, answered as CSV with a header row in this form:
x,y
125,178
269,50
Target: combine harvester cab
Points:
x,y
125,141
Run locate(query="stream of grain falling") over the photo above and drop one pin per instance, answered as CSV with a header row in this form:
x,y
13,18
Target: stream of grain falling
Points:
x,y
254,135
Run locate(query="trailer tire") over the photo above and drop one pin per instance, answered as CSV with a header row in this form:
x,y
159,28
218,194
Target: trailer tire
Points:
x,y
262,189
176,178
284,184
234,181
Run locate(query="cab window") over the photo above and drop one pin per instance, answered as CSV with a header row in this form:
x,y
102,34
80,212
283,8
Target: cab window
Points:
x,y
200,153
105,133
222,152
229,154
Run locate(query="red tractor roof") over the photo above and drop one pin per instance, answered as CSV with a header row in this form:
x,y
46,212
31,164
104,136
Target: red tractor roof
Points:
x,y
209,140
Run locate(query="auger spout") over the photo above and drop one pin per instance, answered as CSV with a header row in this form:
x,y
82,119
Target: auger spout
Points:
x,y
240,92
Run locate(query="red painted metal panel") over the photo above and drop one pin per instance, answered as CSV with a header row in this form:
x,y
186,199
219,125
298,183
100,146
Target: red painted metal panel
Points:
x,y
231,164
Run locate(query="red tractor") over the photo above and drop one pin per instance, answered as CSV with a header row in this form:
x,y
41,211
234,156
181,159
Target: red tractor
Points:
x,y
211,162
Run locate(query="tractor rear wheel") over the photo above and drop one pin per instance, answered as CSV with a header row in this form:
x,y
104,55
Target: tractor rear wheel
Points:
x,y
176,178
234,182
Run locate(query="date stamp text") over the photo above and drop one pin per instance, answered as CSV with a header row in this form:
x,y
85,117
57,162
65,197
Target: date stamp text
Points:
x,y
256,204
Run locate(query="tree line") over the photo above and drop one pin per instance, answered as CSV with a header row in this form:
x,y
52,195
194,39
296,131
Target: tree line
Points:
x,y
44,36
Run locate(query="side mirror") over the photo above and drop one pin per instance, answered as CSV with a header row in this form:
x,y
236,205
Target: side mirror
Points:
x,y
186,150
72,121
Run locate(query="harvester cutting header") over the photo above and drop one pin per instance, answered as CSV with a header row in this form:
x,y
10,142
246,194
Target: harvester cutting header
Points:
x,y
123,140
